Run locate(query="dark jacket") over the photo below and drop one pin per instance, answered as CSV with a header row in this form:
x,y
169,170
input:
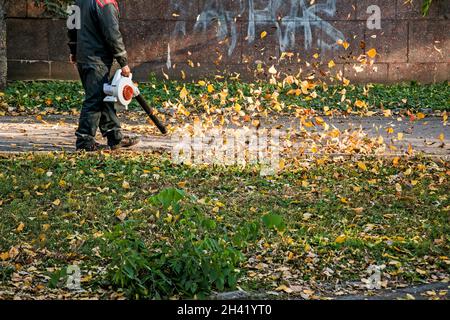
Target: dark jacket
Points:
x,y
99,40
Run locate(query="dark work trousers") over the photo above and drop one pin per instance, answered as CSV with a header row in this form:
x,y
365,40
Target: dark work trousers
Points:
x,y
96,113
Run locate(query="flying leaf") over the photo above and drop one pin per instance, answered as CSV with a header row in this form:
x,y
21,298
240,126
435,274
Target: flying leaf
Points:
x,y
183,93
372,53
272,70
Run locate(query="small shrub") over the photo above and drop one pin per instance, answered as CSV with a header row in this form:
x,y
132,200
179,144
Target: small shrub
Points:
x,y
192,260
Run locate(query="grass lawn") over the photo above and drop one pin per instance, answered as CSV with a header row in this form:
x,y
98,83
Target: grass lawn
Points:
x,y
139,226
282,97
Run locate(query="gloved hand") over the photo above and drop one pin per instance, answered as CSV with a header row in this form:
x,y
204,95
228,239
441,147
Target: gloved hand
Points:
x,y
126,71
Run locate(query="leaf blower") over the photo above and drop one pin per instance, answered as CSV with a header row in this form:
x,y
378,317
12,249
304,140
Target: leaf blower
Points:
x,y
122,90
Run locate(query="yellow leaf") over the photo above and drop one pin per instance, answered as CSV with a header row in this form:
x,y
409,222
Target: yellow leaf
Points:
x,y
320,121
372,53
420,271
20,227
395,161
341,239
13,252
400,136
263,34
57,202
362,166
202,83
42,238
358,210
442,137
183,93
345,44
316,56
181,184
126,185
45,227
121,215
169,218
360,104
331,64
210,88
256,123
4,256
398,187
410,149
390,130
281,164
387,113
420,116
284,288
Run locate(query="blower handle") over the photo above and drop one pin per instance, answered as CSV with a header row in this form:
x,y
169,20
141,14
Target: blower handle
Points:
x,y
149,112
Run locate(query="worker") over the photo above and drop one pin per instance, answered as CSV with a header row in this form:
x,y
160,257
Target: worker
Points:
x,y
93,48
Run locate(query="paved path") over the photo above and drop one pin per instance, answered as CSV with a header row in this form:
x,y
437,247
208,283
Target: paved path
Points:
x,y
56,133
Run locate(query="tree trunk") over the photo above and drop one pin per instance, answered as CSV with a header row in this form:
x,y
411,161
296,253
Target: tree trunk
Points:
x,y
3,59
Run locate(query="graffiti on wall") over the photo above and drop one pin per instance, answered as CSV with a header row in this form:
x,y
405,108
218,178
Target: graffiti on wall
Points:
x,y
291,19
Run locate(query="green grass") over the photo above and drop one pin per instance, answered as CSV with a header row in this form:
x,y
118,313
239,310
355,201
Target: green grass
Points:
x,y
64,96
332,216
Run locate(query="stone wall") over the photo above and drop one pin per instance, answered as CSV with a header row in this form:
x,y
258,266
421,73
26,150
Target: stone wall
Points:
x,y
202,37
3,59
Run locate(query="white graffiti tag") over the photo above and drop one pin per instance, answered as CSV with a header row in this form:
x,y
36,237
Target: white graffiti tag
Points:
x,y
288,18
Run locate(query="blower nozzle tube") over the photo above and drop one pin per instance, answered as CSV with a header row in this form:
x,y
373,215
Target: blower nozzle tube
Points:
x,y
149,112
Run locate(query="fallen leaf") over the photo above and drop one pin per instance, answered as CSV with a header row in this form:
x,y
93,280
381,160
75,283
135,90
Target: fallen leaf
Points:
x,y
20,227
284,288
341,239
4,256
362,166
121,215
